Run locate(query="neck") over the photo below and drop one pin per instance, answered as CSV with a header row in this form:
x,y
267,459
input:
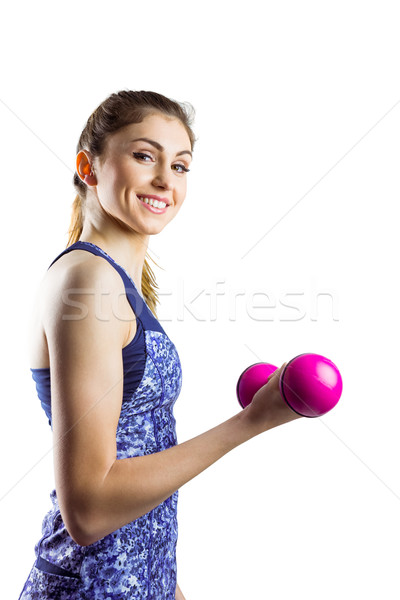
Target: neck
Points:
x,y
127,249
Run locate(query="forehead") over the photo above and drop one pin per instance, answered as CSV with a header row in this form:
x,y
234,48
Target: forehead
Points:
x,y
169,132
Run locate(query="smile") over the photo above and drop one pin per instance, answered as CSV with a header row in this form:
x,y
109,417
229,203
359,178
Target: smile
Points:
x,y
154,206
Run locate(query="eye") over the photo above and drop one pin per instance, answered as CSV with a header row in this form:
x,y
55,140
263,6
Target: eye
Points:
x,y
184,169
142,156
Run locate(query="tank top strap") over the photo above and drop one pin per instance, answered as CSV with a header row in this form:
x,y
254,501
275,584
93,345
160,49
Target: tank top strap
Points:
x,y
137,302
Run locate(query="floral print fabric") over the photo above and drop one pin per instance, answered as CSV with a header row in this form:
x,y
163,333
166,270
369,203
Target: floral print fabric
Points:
x,y
137,561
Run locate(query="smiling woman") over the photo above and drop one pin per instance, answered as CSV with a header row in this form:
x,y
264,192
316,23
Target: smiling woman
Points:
x,y
131,165
108,375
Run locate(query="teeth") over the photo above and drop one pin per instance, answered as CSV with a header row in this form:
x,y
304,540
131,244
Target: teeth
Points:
x,y
155,203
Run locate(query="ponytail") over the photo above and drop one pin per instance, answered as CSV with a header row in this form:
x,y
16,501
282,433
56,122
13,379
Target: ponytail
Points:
x,y
76,226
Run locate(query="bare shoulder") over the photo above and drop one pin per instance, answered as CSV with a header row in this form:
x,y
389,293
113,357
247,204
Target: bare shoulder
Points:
x,y
79,279
81,268
76,281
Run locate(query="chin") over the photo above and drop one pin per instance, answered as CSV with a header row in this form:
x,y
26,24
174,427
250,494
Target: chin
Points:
x,y
150,229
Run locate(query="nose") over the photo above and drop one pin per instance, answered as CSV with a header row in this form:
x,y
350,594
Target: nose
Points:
x,y
163,177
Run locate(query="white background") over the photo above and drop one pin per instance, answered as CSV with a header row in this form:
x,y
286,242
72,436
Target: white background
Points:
x,y
293,193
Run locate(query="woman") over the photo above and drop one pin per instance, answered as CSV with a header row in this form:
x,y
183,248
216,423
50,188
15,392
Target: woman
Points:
x,y
115,374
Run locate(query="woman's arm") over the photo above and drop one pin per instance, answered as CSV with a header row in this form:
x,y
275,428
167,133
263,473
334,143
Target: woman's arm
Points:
x,y
97,492
133,486
178,593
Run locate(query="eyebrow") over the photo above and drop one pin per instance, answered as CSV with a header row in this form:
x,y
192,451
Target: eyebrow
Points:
x,y
158,146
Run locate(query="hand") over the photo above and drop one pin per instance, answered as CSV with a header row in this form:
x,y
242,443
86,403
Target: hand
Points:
x,y
268,409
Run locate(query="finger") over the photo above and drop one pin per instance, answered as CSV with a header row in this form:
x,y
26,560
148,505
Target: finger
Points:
x,y
282,368
277,372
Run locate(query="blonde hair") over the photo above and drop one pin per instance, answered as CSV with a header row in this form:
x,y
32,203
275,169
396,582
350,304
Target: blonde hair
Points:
x,y
118,110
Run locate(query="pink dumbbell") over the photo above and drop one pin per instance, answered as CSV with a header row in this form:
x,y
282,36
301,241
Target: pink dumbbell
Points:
x,y
310,384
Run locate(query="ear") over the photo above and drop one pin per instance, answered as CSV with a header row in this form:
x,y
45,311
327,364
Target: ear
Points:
x,y
84,167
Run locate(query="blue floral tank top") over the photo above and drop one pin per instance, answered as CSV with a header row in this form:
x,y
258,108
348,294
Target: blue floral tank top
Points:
x,y
139,559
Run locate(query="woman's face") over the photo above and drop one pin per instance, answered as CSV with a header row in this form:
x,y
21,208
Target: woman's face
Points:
x,y
134,169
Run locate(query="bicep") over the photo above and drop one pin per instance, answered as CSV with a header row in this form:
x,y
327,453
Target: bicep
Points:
x,y
86,370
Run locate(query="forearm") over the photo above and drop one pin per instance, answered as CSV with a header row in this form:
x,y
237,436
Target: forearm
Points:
x,y
134,486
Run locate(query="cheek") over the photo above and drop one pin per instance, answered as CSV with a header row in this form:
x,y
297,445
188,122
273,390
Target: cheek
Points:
x,y
120,181
110,180
182,190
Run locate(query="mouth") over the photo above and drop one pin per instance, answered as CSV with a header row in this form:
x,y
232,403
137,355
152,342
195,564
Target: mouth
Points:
x,y
154,204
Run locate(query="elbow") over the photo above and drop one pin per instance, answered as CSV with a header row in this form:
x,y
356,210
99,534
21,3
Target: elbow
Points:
x,y
81,536
80,508
79,527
